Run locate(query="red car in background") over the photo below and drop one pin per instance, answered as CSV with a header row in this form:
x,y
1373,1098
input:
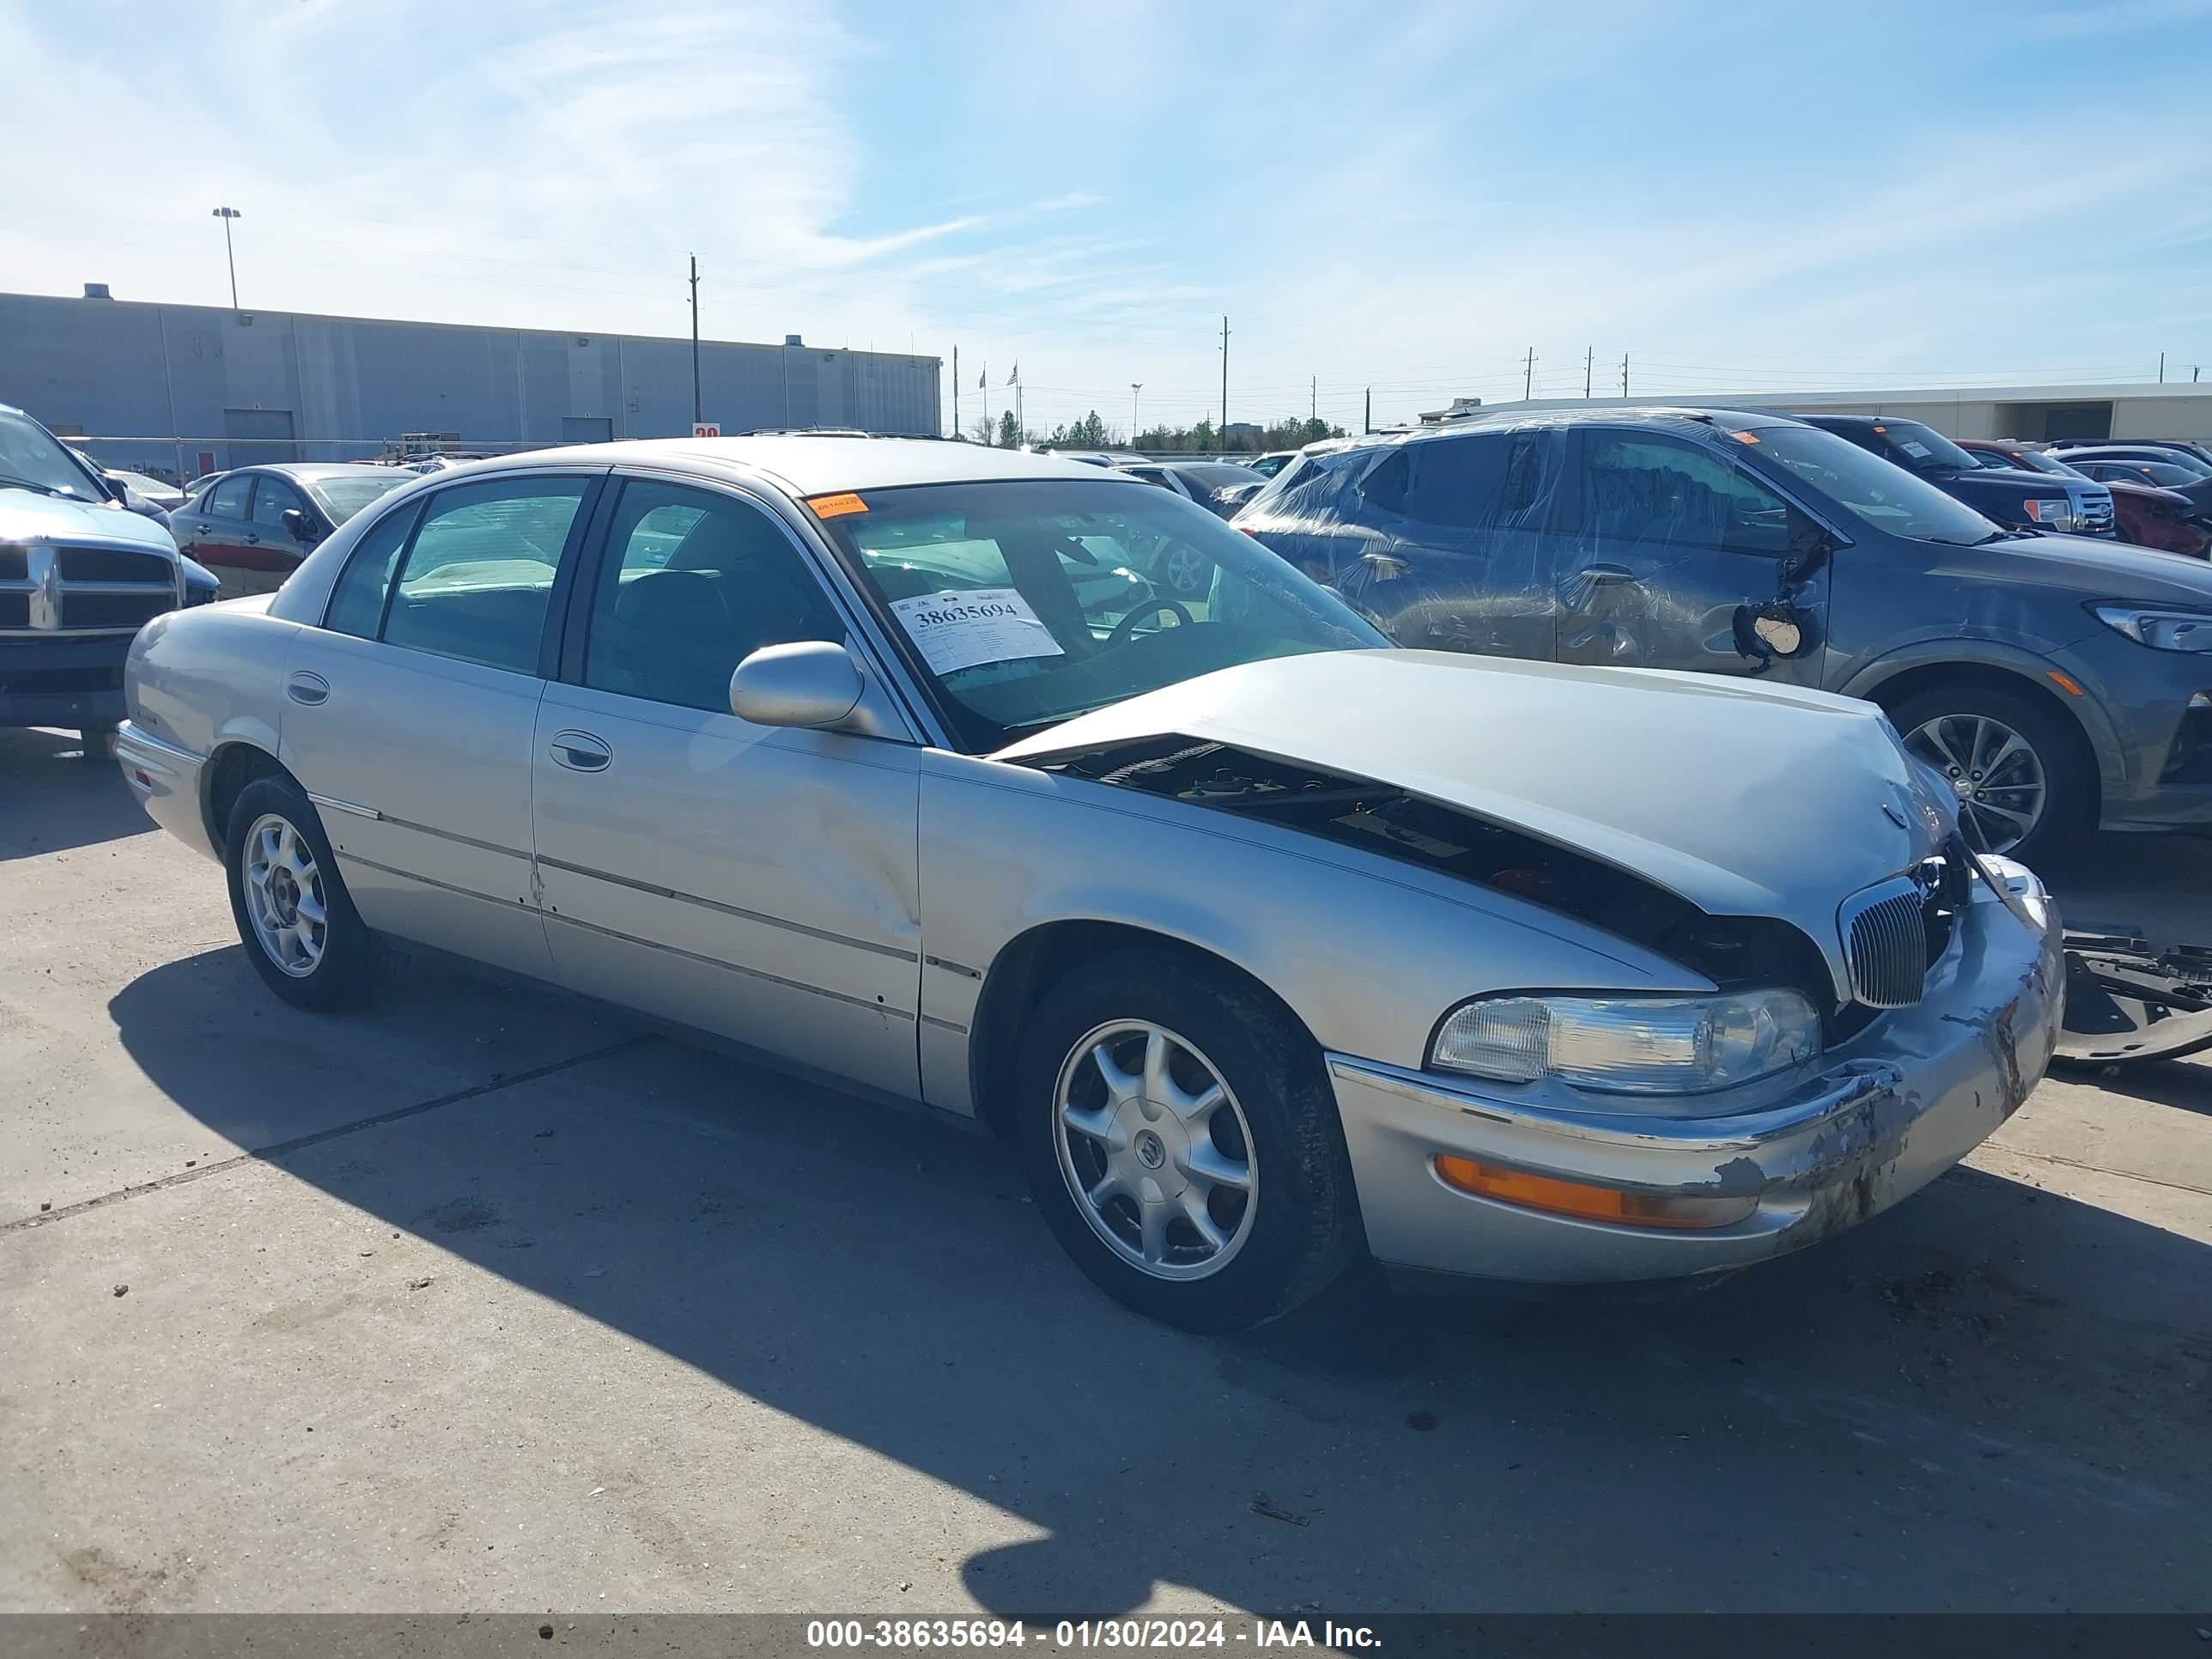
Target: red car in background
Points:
x,y
2142,513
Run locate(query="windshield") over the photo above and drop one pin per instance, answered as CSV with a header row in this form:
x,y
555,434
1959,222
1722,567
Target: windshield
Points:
x,y
1923,448
1870,488
1028,602
2030,460
29,454
1219,474
343,497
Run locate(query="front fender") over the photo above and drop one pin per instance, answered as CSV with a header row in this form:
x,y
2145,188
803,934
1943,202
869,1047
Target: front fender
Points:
x,y
1368,953
2032,666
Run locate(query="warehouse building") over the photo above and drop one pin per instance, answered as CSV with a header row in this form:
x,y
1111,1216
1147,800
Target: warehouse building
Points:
x,y
178,390
2033,413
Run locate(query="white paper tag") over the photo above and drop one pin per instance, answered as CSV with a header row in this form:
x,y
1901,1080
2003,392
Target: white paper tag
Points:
x,y
959,629
1918,451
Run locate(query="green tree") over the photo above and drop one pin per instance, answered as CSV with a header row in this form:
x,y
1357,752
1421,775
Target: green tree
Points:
x,y
1010,435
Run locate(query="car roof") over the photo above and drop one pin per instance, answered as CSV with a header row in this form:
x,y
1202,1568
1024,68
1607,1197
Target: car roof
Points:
x,y
311,471
1664,416
811,464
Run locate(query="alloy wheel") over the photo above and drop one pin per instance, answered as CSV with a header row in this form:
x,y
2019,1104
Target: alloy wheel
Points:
x,y
1994,772
284,896
1186,570
1155,1150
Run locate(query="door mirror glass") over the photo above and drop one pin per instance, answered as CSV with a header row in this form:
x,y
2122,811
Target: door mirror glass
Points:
x,y
809,682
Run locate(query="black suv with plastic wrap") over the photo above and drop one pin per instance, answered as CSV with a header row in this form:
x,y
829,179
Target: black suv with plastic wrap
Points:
x,y
2058,683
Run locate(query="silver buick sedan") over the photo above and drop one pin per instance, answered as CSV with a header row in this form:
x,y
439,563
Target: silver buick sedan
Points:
x,y
1270,946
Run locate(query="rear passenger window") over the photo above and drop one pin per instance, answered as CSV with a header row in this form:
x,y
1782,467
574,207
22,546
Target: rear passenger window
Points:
x,y
356,603
694,583
476,583
227,499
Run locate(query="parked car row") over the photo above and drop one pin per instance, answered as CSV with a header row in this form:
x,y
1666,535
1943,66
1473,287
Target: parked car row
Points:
x,y
1271,946
2056,682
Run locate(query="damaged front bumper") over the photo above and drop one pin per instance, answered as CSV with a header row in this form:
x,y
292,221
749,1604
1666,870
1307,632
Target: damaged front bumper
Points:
x,y
1884,1114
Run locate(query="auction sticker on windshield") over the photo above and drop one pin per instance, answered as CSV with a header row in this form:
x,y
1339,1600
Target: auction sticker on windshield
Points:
x,y
960,629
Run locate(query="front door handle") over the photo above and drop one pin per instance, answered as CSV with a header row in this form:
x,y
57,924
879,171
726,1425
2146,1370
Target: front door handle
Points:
x,y
309,689
579,751
1601,575
252,540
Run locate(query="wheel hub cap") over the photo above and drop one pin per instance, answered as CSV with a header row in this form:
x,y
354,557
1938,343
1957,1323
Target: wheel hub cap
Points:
x,y
283,889
1155,1151
1995,773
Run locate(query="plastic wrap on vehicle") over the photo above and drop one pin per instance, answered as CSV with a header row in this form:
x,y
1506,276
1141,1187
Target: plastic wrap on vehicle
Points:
x,y
1557,537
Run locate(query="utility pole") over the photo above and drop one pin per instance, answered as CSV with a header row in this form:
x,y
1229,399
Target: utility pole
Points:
x,y
1624,375
956,391
1367,420
1135,386
2161,368
1589,357
227,214
1218,440
698,411
1529,375
1313,401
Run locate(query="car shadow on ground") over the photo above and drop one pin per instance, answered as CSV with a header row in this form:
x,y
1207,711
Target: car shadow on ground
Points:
x,y
52,799
1984,1399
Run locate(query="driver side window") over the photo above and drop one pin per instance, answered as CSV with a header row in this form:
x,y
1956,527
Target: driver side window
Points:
x,y
693,583
1641,490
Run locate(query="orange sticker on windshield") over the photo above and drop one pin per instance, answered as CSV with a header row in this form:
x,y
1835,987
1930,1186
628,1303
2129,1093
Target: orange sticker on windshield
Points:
x,y
1744,437
836,507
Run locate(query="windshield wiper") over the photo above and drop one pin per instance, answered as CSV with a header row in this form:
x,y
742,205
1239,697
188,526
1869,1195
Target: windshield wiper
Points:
x,y
8,481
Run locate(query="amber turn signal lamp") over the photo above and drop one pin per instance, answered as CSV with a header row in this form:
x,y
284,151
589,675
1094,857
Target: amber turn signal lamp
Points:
x,y
1556,1197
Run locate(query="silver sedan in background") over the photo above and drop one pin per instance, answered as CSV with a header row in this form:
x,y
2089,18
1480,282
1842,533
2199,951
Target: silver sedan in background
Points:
x,y
1270,947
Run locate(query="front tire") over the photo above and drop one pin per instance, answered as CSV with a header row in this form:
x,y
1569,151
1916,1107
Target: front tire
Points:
x,y
298,924
98,742
1182,1142
2026,788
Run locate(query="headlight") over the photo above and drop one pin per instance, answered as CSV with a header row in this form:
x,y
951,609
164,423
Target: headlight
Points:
x,y
2053,513
2161,630
1628,1044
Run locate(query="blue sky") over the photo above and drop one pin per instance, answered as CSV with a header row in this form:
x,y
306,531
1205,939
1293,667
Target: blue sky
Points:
x,y
1408,197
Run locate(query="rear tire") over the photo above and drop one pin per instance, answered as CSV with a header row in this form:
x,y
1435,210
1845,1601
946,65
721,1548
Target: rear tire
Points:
x,y
98,742
1219,1218
297,921
1943,725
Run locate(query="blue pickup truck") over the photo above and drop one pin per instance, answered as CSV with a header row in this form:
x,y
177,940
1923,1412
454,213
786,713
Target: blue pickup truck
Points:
x,y
2013,497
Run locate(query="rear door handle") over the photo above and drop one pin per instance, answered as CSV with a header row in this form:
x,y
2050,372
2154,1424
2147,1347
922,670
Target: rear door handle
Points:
x,y
579,751
1599,575
310,688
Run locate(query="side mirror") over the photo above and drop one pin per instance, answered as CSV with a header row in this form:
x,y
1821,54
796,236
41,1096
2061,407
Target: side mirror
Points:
x,y
301,527
807,683
117,489
1774,631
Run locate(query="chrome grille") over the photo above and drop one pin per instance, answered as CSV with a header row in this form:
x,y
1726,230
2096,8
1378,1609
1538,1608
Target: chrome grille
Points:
x,y
84,590
2097,510
1886,943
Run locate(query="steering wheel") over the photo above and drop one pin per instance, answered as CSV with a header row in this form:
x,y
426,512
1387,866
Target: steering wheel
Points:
x,y
1126,629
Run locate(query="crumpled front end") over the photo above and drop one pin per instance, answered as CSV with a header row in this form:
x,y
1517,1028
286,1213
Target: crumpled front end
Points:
x,y
1871,1122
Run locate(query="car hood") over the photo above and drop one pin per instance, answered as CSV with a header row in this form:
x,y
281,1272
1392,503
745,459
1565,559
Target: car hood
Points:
x,y
1744,799
2092,567
26,515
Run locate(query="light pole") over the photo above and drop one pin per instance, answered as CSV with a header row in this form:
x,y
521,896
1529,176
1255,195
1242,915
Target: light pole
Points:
x,y
1135,386
227,214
